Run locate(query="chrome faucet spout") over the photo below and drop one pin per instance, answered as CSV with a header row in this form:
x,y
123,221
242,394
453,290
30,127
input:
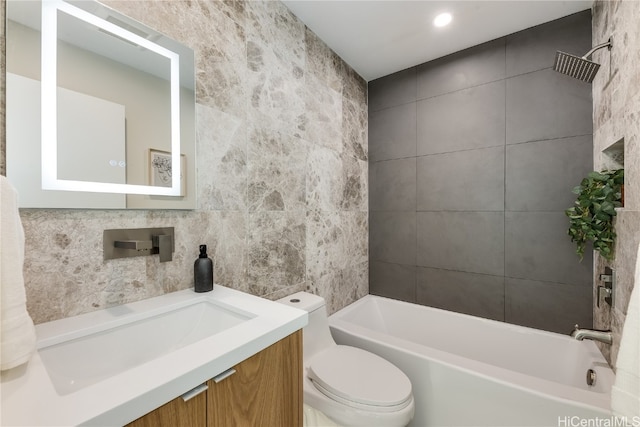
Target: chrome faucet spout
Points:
x,y
592,334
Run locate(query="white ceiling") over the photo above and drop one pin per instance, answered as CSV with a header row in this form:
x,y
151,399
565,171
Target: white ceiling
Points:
x,y
378,38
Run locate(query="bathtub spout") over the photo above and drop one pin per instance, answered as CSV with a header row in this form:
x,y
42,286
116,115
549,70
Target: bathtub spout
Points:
x,y
592,334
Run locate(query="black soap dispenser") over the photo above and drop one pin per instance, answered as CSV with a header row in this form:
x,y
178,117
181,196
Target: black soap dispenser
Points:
x,y
203,271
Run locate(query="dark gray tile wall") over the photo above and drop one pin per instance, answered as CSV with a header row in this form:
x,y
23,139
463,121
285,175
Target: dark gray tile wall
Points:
x,y
547,105
528,50
537,248
488,292
392,185
396,89
562,160
392,237
393,280
392,134
463,120
461,241
470,180
546,305
465,69
472,161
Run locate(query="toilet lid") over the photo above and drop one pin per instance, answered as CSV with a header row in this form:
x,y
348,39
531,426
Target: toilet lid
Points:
x,y
351,375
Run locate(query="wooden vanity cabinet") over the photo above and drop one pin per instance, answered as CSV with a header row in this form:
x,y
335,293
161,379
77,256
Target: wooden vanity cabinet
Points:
x,y
177,413
265,390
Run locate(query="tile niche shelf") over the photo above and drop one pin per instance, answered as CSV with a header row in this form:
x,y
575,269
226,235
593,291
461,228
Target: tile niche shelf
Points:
x,y
613,156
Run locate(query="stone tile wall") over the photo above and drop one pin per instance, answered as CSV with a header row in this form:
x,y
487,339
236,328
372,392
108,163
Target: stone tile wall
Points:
x,y
281,170
616,116
3,76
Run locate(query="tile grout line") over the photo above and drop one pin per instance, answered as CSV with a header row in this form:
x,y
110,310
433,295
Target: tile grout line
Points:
x,y
415,106
504,200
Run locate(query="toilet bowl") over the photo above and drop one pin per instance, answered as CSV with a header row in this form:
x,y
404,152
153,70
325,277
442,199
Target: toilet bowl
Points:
x,y
351,386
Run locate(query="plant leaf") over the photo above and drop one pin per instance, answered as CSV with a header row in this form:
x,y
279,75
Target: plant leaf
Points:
x,y
591,216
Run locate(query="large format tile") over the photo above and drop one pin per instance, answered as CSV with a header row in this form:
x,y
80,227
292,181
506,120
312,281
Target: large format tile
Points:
x,y
471,180
392,185
392,237
355,184
340,288
627,253
354,129
553,307
395,281
335,241
470,118
335,181
324,174
227,91
392,133
276,251
277,100
277,165
547,105
538,248
476,294
540,175
463,241
321,61
394,89
534,49
323,115
222,147
74,284
354,87
461,70
629,127
278,33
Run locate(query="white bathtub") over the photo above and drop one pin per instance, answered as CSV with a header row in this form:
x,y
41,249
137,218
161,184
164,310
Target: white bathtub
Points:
x,y
468,371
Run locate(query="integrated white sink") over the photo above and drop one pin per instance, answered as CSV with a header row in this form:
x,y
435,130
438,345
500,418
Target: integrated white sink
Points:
x,y
111,366
129,341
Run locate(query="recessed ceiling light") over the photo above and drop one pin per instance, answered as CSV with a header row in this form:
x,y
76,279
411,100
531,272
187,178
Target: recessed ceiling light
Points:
x,y
442,20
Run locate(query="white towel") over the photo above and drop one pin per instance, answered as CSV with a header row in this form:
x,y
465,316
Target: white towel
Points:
x,y
17,333
625,394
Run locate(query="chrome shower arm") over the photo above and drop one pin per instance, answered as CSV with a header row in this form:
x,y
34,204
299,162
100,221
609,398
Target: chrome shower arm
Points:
x,y
607,44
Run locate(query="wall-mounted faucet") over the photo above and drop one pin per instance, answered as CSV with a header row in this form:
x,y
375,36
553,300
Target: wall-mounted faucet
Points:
x,y
609,288
592,334
127,243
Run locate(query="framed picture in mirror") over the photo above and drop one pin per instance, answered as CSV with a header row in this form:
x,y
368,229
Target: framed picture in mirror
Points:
x,y
161,170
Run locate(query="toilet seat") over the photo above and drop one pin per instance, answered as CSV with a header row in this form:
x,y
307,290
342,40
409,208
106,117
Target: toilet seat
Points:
x,y
360,379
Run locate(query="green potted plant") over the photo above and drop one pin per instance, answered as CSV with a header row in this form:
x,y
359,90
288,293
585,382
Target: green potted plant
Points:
x,y
591,217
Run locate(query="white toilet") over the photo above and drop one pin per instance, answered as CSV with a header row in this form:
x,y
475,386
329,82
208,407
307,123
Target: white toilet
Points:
x,y
351,386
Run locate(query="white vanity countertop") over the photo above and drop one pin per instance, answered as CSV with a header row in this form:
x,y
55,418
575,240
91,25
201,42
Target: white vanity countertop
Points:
x,y
29,398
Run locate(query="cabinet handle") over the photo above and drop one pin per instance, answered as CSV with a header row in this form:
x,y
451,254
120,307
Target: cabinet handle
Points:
x,y
224,375
194,392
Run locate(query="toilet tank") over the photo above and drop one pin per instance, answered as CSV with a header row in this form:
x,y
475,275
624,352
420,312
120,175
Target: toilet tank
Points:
x,y
316,335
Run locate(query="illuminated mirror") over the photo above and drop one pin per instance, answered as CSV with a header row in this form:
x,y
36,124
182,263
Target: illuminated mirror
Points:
x,y
100,109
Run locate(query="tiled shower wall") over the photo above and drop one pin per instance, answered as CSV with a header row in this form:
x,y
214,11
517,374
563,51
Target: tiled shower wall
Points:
x,y
281,171
472,161
616,115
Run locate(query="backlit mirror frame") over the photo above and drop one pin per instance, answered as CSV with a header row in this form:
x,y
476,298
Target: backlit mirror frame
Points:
x,y
50,181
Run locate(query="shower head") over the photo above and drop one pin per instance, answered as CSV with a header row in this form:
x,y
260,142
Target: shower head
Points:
x,y
575,66
579,67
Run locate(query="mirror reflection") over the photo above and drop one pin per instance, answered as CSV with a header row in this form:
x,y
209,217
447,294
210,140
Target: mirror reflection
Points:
x,y
115,101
